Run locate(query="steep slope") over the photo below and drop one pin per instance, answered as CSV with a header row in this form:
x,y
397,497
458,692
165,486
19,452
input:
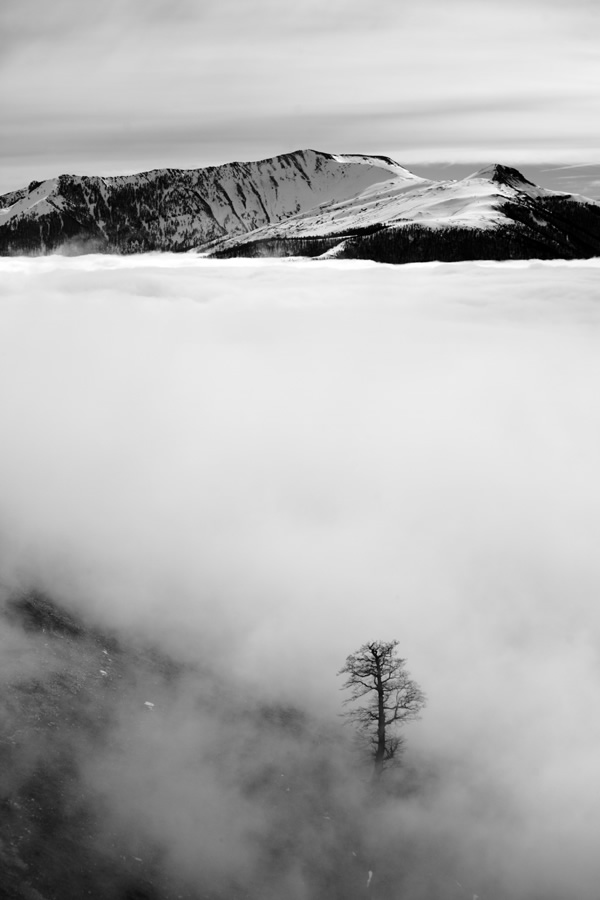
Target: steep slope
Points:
x,y
171,209
126,775
494,213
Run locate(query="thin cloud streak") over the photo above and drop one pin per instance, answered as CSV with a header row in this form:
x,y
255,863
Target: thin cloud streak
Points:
x,y
208,83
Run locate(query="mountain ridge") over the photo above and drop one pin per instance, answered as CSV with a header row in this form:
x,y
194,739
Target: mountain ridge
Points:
x,y
306,202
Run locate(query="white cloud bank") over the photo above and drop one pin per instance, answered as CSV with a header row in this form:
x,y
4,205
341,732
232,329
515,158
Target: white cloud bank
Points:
x,y
272,463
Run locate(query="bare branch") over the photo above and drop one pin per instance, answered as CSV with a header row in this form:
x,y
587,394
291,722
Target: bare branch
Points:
x,y
390,698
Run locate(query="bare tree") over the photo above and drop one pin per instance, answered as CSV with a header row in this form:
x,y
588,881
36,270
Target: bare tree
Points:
x,y
391,697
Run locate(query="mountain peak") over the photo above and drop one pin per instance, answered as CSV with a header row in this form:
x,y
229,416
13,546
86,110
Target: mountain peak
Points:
x,y
501,175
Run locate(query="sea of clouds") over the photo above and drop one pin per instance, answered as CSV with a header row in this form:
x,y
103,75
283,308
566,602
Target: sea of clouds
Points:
x,y
266,464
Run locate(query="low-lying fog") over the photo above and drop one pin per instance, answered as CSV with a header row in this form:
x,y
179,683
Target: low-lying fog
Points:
x,y
265,464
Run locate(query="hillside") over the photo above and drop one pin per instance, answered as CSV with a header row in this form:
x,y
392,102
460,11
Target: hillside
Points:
x,y
125,774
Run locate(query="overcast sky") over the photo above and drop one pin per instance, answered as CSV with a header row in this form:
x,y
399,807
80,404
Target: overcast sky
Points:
x,y
126,85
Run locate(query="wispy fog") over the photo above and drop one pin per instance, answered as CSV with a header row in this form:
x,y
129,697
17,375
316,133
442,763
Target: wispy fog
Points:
x,y
261,466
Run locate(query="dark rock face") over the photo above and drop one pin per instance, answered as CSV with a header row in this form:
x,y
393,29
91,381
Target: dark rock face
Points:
x,y
36,612
502,175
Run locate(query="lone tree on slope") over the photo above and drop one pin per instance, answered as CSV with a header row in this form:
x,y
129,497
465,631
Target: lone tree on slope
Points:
x,y
391,698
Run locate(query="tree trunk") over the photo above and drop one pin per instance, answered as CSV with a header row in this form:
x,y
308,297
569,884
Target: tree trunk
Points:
x,y
380,752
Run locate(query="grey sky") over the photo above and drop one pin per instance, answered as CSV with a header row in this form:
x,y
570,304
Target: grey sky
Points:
x,y
123,86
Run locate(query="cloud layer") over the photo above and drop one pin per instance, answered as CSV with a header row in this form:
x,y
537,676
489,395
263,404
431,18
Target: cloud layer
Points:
x,y
265,465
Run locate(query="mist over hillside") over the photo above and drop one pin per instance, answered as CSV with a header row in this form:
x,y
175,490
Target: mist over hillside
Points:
x,y
220,478
202,790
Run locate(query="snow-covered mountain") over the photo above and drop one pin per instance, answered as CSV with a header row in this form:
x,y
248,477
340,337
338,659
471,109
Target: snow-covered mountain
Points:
x,y
303,203
173,209
495,213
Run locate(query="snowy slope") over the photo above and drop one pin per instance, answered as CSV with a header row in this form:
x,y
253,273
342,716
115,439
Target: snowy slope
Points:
x,y
473,201
496,204
307,203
